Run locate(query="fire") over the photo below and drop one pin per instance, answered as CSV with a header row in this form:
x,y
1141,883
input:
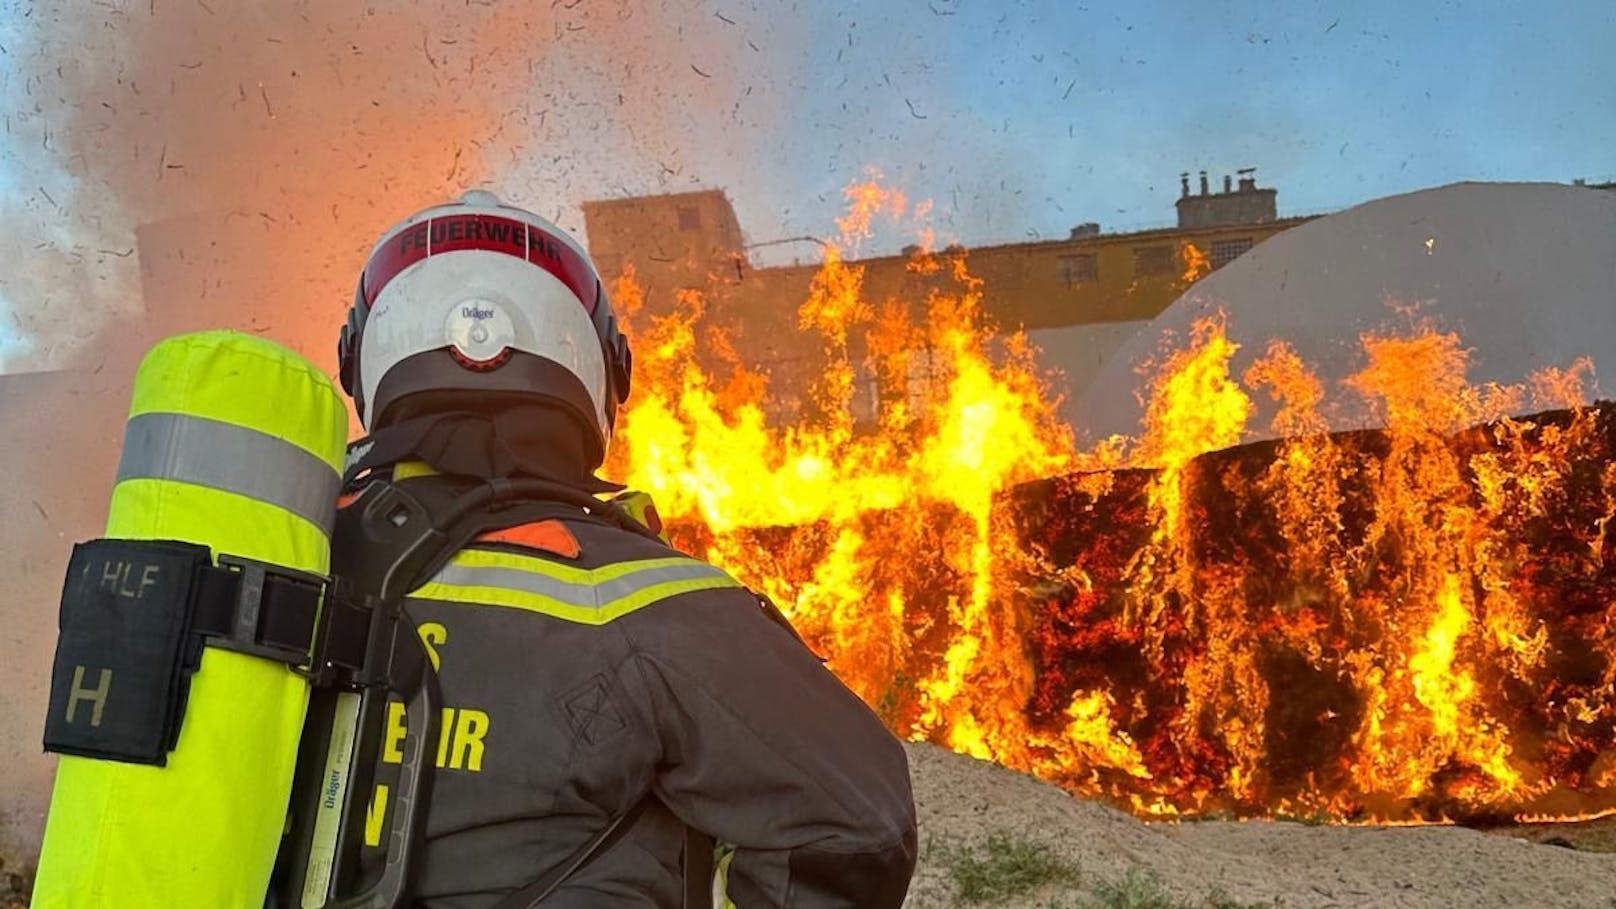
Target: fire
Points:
x,y
924,481
1196,263
1410,625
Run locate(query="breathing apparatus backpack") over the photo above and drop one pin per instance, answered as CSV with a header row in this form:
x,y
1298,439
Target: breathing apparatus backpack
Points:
x,y
227,652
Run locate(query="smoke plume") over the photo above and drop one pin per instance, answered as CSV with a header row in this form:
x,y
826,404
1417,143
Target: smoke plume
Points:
x,y
176,165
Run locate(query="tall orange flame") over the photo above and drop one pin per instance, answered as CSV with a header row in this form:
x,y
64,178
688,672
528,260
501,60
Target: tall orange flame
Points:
x,y
1196,263
943,450
1410,624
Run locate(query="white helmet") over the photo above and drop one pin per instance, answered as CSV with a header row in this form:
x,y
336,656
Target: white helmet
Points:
x,y
476,302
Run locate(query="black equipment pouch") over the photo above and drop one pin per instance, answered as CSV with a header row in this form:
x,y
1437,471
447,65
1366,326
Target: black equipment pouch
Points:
x,y
135,616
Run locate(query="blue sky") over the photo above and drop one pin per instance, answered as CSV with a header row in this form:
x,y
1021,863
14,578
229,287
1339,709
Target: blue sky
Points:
x,y
1041,115
1018,120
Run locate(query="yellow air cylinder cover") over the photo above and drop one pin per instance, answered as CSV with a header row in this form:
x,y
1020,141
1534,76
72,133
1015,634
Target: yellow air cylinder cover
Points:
x,y
234,443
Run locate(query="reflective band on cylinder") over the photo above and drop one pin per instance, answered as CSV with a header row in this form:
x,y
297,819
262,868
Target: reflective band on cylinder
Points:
x,y
219,455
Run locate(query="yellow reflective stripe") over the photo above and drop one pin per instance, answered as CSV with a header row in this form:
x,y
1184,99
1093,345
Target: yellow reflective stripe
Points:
x,y
246,381
593,591
583,615
579,602
571,574
405,470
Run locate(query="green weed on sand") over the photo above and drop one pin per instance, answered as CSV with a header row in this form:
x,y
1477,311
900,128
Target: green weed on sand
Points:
x,y
1004,866
1001,866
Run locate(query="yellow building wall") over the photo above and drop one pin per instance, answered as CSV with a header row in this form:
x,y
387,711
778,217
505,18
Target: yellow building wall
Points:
x,y
1025,286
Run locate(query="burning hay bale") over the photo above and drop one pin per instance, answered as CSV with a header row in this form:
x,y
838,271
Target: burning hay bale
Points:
x,y
1424,636
1353,626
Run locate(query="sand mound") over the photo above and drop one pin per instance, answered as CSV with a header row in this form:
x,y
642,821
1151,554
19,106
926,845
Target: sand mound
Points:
x,y
964,801
1295,866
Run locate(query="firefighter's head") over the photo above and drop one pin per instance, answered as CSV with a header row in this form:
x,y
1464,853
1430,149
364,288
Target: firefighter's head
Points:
x,y
476,304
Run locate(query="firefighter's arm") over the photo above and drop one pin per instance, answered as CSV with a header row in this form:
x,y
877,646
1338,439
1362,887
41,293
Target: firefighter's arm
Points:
x,y
765,749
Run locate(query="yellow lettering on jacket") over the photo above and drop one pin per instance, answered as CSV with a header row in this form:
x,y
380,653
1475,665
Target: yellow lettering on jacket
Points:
x,y
432,634
461,734
376,816
470,727
445,727
393,739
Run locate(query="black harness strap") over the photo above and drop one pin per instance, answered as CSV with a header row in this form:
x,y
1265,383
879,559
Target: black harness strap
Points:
x,y
698,869
536,892
264,610
697,864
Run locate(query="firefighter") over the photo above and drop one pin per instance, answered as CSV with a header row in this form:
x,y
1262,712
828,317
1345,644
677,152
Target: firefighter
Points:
x,y
611,706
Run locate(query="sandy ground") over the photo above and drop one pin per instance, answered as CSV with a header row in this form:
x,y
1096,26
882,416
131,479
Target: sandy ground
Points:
x,y
1279,865
1285,865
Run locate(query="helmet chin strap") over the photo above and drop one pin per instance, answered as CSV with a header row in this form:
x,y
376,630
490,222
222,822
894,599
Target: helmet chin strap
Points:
x,y
348,349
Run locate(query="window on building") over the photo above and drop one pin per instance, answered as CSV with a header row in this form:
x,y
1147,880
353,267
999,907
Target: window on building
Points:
x,y
1153,260
1078,269
866,400
918,386
1226,251
689,217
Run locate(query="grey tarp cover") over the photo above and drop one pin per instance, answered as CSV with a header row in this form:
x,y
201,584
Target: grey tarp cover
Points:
x,y
1525,273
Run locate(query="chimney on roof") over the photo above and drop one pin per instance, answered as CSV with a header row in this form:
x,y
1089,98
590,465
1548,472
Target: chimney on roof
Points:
x,y
1228,184
1184,185
1085,230
1249,205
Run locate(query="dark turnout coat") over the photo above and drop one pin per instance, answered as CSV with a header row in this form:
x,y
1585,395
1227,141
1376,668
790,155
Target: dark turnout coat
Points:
x,y
584,666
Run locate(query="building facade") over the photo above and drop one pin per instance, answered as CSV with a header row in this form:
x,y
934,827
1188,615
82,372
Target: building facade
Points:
x,y
1076,297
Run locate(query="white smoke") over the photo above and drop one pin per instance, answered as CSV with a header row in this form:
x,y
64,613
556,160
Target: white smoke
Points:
x,y
172,165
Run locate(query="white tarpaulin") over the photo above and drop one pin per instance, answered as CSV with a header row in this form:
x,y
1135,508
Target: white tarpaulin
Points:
x,y
1524,273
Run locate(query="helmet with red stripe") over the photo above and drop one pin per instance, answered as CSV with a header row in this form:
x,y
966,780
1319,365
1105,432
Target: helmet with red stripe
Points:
x,y
475,303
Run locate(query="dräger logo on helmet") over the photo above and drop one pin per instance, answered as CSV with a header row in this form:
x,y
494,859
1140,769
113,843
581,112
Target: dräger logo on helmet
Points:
x,y
479,329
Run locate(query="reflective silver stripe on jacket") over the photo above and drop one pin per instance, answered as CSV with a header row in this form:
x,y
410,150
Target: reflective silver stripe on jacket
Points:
x,y
223,456
595,595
